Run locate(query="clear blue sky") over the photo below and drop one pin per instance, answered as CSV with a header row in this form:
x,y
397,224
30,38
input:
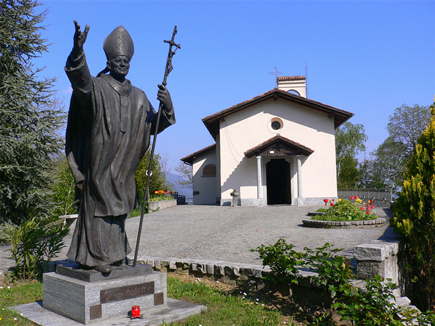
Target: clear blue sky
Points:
x,y
366,57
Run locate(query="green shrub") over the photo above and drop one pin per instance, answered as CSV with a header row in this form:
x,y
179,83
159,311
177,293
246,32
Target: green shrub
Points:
x,y
414,218
5,231
35,245
63,189
372,305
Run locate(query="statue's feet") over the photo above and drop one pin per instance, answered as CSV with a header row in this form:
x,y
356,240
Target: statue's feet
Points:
x,y
118,263
103,269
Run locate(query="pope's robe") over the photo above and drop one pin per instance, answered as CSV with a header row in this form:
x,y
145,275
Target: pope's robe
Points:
x,y
108,133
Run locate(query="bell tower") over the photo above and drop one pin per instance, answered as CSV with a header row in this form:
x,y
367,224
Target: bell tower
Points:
x,y
294,84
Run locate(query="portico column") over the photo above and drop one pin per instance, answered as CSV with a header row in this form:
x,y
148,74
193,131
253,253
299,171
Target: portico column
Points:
x,y
259,183
300,195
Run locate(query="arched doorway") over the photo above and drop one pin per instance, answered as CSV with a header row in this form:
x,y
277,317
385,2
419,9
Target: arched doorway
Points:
x,y
278,182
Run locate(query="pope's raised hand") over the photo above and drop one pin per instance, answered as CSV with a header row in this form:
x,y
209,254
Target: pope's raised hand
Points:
x,y
79,39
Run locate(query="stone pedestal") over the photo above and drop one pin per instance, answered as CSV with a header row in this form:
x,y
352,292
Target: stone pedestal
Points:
x,y
88,302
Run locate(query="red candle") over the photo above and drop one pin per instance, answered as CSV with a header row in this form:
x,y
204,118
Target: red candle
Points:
x,y
135,311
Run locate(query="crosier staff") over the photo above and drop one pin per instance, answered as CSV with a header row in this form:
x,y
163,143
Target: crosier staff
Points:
x,y
168,69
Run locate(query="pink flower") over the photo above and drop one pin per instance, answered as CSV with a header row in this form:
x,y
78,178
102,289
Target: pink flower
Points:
x,y
372,207
356,197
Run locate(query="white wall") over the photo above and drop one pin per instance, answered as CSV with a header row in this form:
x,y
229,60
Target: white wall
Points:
x,y
248,128
206,185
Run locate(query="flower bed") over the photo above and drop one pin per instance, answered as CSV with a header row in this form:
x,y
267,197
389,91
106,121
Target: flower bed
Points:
x,y
347,210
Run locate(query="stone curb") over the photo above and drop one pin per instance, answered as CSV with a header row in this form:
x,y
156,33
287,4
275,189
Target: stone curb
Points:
x,y
343,224
206,267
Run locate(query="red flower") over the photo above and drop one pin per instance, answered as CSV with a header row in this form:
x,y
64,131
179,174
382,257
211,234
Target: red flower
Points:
x,y
362,208
352,197
332,204
368,212
356,197
333,200
372,207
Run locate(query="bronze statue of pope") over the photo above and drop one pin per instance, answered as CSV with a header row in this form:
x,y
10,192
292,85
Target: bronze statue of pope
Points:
x,y
108,132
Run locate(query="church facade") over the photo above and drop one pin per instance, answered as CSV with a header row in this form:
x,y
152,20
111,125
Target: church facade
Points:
x,y
276,148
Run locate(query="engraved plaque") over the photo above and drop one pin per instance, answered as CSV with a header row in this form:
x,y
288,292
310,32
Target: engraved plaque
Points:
x,y
158,298
95,312
126,292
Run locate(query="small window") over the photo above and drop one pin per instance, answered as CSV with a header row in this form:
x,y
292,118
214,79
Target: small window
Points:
x,y
209,170
276,124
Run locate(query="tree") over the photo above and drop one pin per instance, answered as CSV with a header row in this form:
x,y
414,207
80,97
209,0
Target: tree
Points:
x,y
406,125
185,171
414,218
349,141
30,115
387,165
349,173
388,161
157,180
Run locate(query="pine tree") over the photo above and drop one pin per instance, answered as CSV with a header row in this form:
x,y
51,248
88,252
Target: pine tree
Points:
x,y
414,217
30,115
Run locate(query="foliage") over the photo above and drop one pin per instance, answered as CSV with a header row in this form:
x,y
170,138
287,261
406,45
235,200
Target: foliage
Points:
x,y
63,188
372,305
406,125
386,167
157,179
185,171
345,210
349,141
349,174
282,260
414,218
35,245
5,231
30,115
387,164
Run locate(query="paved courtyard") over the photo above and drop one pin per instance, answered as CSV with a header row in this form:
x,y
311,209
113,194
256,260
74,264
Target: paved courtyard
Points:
x,y
228,233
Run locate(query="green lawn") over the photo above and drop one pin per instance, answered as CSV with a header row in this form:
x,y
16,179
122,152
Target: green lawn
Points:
x,y
224,307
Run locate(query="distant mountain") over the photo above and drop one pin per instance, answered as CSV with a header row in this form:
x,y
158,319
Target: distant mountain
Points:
x,y
173,178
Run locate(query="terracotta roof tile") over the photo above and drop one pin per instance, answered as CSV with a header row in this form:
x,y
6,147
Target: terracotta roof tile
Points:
x,y
286,78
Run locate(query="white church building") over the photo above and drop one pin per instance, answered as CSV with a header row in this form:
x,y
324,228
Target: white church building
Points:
x,y
276,148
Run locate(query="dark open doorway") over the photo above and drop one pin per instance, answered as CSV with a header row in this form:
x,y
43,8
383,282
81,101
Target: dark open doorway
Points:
x,y
278,182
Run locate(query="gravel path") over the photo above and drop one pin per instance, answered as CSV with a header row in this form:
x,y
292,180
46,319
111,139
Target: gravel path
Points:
x,y
228,233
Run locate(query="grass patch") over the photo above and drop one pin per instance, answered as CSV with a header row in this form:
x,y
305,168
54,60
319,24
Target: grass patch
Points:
x,y
12,294
224,307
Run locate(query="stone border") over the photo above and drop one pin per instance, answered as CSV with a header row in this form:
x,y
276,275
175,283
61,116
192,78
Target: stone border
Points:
x,y
344,224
